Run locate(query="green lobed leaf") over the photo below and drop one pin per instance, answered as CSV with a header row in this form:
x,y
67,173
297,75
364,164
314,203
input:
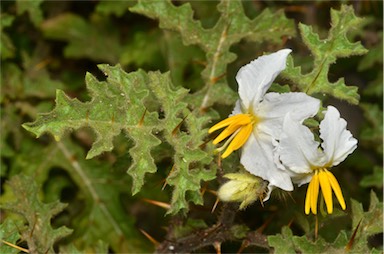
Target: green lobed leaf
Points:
x,y
282,243
39,235
101,214
232,26
326,52
370,222
9,232
118,104
189,160
99,33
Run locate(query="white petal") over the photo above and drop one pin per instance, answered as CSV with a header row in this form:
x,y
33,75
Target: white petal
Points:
x,y
237,109
255,78
297,149
338,142
257,158
275,106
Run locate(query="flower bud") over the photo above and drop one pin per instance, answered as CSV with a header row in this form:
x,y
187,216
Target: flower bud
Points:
x,y
242,187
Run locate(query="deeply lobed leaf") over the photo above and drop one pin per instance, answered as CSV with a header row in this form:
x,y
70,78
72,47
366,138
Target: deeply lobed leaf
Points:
x,y
325,52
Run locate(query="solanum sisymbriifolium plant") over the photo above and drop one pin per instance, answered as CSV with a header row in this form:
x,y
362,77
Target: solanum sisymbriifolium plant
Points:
x,y
200,118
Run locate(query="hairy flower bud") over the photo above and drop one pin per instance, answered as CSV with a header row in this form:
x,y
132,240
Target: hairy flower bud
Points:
x,y
243,187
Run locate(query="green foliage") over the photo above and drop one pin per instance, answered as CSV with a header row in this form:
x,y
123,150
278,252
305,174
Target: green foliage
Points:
x,y
7,48
231,27
165,75
39,235
325,53
98,32
366,222
119,104
369,222
33,9
9,232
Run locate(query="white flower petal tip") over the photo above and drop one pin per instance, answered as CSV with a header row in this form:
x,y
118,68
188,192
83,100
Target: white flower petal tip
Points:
x,y
255,78
338,142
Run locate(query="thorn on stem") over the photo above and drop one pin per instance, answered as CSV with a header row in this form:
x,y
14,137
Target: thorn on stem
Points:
x,y
352,240
150,238
265,224
215,204
217,246
165,182
244,245
140,123
158,203
178,126
15,246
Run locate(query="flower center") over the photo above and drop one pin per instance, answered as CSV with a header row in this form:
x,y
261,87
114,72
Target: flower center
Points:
x,y
327,181
238,129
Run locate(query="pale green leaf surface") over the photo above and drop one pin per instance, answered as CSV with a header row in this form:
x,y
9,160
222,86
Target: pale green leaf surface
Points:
x,y
9,232
370,222
282,243
40,236
326,52
232,26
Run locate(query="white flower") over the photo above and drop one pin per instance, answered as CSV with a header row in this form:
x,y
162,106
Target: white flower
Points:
x,y
306,162
257,119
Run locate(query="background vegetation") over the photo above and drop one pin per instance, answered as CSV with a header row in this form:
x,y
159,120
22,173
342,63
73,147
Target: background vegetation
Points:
x,y
131,89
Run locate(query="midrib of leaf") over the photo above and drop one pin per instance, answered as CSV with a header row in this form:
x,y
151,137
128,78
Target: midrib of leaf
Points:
x,y
312,84
213,74
88,183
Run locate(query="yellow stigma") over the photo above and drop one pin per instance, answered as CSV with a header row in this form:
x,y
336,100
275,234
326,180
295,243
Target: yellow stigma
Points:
x,y
327,181
239,127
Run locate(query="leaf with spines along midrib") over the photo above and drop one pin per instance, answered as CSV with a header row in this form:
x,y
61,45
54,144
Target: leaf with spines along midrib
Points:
x,y
119,103
39,235
232,26
325,53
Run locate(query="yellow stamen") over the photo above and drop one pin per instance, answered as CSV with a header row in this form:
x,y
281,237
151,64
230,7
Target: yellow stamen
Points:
x,y
228,121
336,188
315,193
326,190
308,198
327,182
238,129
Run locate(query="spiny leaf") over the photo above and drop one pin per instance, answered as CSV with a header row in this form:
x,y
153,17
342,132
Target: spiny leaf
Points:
x,y
9,232
189,160
282,243
119,104
232,26
325,53
370,222
40,236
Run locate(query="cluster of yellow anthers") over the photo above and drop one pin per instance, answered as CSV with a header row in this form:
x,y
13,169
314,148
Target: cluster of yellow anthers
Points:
x,y
275,145
239,128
